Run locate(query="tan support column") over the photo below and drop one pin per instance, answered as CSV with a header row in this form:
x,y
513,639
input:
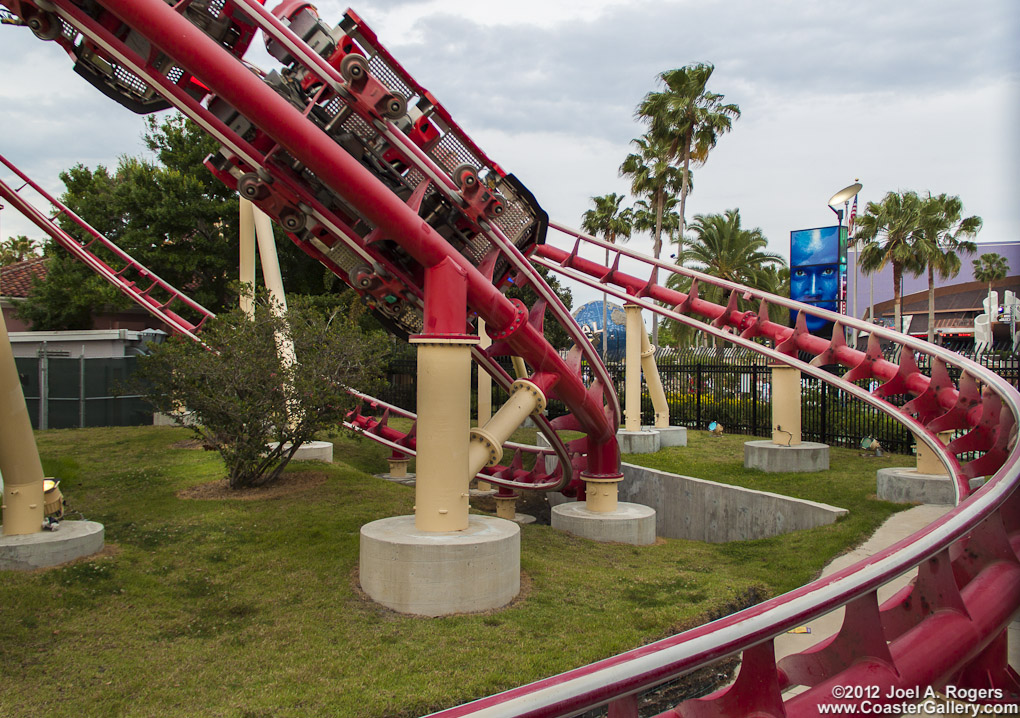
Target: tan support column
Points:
x,y
398,467
506,505
246,256
19,458
785,405
487,441
484,391
268,257
654,382
928,461
520,368
444,423
632,375
601,495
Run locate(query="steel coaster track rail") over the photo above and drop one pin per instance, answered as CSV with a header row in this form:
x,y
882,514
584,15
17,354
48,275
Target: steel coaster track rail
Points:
x,y
75,20
273,27
372,428
260,104
378,429
159,306
968,568
981,531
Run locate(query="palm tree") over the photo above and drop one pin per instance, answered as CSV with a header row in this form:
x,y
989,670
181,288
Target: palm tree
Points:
x,y
645,218
888,231
721,247
612,223
988,268
17,249
653,176
941,233
687,117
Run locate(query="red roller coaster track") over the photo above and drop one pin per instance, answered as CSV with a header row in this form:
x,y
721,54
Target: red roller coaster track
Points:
x,y
379,193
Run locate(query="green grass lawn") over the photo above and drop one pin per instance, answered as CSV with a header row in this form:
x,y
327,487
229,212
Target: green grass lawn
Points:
x,y
251,608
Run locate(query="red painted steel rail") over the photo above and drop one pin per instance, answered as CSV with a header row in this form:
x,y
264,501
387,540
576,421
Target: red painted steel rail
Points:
x,y
167,303
281,147
947,628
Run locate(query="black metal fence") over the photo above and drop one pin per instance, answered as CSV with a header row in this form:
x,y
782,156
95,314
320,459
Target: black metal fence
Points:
x,y
74,392
734,388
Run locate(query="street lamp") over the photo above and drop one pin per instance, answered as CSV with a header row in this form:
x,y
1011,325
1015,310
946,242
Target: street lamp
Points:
x,y
843,197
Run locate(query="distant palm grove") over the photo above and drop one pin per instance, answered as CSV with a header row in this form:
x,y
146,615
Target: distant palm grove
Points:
x,y
914,234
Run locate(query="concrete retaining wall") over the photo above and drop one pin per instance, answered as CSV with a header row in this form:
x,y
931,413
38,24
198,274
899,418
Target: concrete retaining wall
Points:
x,y
700,510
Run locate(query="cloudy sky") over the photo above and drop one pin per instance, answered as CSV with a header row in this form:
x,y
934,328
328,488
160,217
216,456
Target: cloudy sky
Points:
x,y
915,94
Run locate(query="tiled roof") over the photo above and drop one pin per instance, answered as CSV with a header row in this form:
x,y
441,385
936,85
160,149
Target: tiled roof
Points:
x,y
16,279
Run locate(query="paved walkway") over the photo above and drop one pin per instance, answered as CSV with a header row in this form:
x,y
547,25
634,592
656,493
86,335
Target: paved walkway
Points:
x,y
895,528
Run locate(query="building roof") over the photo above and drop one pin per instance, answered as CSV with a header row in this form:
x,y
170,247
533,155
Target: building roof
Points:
x,y
16,279
955,305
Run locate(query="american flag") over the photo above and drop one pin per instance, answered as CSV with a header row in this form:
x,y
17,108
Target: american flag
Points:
x,y
853,216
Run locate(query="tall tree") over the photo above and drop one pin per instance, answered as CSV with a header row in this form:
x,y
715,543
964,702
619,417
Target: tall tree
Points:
x,y
645,218
990,267
720,246
653,176
612,223
688,118
942,232
171,214
888,230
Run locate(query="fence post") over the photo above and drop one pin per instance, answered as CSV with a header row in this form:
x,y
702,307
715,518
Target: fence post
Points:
x,y
697,410
44,388
81,389
754,399
825,411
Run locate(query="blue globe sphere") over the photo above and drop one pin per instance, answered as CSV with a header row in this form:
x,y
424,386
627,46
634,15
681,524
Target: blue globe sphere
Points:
x,y
589,316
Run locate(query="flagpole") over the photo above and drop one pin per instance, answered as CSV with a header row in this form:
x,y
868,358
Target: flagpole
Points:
x,y
853,240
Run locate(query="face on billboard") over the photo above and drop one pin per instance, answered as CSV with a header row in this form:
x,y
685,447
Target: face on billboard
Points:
x,y
814,246
816,272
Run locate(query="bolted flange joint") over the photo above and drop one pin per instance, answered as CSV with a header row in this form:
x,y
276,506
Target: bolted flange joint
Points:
x,y
520,317
525,385
490,443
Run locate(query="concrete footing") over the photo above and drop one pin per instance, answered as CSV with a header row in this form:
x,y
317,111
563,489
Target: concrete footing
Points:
x,y
906,485
182,418
73,539
406,479
630,523
806,457
440,573
312,451
638,442
523,519
669,435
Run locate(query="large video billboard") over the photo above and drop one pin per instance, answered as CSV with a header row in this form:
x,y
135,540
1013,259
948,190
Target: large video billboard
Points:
x,y
818,273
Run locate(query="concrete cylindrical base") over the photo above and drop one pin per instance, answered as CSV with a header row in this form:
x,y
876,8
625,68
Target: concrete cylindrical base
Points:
x,y
638,442
907,485
428,573
630,523
72,540
311,451
523,519
669,435
407,479
804,457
